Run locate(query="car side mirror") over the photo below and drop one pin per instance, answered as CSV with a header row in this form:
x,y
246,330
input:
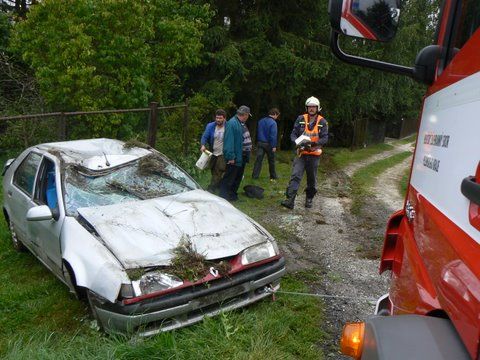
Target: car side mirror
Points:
x,y
426,64
55,213
39,213
368,19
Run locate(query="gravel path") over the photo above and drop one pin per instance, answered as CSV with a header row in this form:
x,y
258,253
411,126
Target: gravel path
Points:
x,y
329,244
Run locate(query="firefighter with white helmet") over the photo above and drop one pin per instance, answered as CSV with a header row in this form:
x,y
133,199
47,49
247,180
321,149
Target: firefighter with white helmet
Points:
x,y
309,133
312,101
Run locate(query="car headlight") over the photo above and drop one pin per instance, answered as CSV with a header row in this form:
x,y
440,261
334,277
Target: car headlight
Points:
x,y
259,252
155,281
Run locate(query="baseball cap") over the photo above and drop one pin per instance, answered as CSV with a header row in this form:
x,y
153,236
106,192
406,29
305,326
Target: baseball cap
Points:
x,y
244,110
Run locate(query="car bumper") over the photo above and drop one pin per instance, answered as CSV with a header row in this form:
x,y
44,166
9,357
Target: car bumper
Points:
x,y
191,305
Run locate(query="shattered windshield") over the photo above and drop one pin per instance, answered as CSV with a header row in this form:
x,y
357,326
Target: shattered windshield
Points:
x,y
149,177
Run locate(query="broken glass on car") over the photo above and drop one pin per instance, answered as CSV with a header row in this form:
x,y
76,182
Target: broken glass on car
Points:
x,y
149,177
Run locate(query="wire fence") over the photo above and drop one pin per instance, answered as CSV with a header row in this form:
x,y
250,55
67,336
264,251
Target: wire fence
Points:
x,y
63,126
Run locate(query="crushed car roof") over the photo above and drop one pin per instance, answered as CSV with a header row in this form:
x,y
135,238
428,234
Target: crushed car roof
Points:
x,y
94,154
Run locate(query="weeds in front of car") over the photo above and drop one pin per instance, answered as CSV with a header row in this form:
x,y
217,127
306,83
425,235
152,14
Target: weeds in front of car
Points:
x,y
188,264
135,274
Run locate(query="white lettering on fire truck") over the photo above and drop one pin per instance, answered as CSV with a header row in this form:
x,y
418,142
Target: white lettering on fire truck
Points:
x,y
449,133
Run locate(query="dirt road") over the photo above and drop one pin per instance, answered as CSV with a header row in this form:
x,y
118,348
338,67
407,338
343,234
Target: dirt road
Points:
x,y
330,239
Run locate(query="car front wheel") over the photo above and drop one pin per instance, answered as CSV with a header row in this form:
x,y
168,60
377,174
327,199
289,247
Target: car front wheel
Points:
x,y
17,244
91,301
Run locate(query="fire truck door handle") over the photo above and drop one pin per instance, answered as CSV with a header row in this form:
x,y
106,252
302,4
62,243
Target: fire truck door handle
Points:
x,y
471,189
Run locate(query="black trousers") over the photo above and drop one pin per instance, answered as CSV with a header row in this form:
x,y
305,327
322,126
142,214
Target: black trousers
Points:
x,y
231,182
262,149
309,165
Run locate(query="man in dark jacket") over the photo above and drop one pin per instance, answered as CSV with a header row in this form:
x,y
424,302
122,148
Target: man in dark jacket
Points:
x,y
236,151
267,143
310,133
213,138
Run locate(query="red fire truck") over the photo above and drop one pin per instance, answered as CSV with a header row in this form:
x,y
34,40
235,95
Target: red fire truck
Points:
x,y
432,245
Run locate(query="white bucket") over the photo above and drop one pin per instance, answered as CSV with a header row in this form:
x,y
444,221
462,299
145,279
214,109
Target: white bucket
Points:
x,y
204,160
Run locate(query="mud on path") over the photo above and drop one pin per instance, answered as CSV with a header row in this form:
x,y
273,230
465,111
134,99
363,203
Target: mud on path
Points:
x,y
329,239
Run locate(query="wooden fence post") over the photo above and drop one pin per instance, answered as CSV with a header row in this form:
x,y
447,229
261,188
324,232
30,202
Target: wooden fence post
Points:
x,y
62,127
185,128
354,135
152,124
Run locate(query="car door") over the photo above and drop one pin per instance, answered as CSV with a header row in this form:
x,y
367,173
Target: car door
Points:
x,y
19,197
46,233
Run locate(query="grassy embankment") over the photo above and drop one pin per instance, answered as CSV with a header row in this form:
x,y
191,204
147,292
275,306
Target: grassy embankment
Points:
x,y
364,178
42,320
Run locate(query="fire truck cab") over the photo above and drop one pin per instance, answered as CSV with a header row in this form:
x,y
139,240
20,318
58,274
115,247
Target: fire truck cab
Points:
x,y
432,245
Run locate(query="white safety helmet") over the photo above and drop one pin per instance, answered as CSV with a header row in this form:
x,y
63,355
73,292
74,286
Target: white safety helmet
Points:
x,y
313,101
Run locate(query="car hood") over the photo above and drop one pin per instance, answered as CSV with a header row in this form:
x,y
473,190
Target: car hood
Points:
x,y
144,233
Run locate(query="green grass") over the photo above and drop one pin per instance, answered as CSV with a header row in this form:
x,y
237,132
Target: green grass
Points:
x,y
42,320
290,327
403,183
409,139
364,178
342,157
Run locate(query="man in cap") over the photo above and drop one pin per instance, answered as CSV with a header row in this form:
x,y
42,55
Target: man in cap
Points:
x,y
314,129
237,146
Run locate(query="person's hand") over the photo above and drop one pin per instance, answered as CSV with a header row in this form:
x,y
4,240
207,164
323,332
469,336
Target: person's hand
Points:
x,y
203,148
274,149
231,162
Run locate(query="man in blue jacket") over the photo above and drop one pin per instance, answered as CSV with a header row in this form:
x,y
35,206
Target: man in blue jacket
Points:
x,y
267,143
237,145
213,138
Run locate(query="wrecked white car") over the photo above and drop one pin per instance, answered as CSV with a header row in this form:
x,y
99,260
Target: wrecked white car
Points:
x,y
129,230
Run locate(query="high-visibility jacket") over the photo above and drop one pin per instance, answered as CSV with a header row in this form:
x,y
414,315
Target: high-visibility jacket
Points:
x,y
314,135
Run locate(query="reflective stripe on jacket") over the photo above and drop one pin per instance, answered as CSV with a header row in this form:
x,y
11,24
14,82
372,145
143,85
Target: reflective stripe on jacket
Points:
x,y
313,135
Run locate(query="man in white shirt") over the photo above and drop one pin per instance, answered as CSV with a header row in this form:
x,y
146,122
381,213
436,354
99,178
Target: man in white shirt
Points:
x,y
213,138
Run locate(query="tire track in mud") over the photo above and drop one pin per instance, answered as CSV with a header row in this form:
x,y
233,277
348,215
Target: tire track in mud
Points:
x,y
329,239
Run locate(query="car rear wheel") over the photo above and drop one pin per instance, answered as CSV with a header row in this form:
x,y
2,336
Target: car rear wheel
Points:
x,y
17,244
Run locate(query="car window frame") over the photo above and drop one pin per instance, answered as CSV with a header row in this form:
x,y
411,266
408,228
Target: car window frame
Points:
x,y
38,182
99,173
30,196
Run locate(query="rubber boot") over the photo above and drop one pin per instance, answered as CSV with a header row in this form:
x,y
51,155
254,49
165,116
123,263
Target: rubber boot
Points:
x,y
308,202
310,193
289,202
